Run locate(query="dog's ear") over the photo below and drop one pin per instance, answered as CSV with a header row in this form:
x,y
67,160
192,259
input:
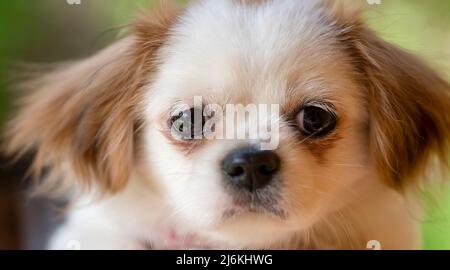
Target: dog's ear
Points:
x,y
409,105
84,117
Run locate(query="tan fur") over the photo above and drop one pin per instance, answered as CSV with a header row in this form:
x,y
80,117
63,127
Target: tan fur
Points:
x,y
417,103
409,103
86,115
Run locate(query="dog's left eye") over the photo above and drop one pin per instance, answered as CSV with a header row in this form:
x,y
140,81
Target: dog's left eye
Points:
x,y
188,124
316,121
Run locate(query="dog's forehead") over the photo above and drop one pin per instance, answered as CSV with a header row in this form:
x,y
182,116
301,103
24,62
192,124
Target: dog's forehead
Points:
x,y
243,47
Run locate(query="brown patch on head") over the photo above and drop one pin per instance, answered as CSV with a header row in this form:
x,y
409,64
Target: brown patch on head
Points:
x,y
86,116
344,12
409,103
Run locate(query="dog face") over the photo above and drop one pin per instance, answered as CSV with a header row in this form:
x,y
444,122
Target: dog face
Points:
x,y
353,111
279,54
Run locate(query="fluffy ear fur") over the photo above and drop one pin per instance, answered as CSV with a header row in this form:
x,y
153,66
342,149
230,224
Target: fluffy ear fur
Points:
x,y
410,108
84,117
409,104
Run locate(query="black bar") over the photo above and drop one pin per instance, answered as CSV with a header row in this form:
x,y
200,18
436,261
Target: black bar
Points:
x,y
223,259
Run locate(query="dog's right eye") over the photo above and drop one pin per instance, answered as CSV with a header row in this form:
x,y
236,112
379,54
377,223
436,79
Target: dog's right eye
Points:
x,y
188,124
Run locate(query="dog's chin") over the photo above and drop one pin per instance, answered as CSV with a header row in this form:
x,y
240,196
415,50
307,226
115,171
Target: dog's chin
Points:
x,y
251,228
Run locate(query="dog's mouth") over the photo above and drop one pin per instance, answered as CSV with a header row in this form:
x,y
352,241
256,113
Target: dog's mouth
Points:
x,y
265,202
272,211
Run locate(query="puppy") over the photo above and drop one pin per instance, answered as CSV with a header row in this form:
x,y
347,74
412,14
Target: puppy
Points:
x,y
359,124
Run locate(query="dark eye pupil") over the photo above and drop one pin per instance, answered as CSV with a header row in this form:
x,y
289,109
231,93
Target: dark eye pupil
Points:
x,y
316,122
184,123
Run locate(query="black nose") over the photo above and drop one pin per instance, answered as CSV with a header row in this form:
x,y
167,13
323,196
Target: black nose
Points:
x,y
251,169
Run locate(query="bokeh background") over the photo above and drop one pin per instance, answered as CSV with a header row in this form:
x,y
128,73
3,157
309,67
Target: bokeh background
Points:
x,y
43,31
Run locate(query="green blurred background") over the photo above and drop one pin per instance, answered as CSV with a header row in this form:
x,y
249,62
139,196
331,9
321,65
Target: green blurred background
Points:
x,y
52,30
